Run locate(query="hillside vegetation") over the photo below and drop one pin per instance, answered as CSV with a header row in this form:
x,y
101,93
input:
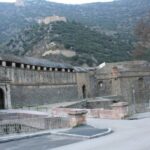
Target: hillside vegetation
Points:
x,y
91,47
97,32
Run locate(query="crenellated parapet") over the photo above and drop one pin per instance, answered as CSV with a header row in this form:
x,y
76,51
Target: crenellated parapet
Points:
x,y
27,70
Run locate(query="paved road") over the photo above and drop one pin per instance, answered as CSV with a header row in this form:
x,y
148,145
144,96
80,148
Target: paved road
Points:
x,y
128,135
85,130
38,143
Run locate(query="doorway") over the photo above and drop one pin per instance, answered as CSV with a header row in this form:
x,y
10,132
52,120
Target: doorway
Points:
x,y
2,101
84,91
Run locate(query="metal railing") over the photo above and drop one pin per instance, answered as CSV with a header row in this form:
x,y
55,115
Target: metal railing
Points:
x,y
30,125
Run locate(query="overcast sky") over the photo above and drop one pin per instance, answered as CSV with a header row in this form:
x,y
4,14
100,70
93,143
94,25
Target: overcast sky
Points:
x,y
68,1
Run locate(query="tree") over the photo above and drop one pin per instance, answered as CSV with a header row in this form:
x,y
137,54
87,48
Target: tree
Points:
x,y
142,32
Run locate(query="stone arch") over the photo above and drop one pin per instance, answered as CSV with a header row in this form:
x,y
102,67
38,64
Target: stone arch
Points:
x,y
2,99
100,84
140,83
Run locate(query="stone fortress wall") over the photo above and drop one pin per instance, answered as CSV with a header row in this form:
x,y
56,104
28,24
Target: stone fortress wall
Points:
x,y
26,81
129,81
50,19
32,85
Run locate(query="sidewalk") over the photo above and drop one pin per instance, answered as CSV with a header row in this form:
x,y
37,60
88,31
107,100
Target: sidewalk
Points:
x,y
140,116
84,132
14,137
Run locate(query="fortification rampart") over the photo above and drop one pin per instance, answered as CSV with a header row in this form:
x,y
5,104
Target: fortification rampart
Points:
x,y
38,83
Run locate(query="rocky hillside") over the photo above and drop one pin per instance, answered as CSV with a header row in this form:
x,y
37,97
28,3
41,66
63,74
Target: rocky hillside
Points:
x,y
104,30
70,42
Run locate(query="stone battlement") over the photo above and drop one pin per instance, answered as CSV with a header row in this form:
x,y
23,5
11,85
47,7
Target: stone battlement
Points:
x,y
51,19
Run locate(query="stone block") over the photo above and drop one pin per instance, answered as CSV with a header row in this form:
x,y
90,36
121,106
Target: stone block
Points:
x,y
120,110
77,117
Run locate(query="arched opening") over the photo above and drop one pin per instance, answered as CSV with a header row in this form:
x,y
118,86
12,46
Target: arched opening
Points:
x,y
100,84
2,101
140,83
84,91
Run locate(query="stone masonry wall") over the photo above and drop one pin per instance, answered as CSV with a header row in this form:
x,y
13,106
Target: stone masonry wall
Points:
x,y
83,80
40,95
30,87
29,76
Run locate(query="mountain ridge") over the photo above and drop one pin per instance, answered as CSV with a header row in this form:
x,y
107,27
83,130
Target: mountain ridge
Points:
x,y
115,19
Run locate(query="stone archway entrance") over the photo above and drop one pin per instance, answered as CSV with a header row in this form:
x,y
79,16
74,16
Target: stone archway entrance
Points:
x,y
84,91
141,95
2,99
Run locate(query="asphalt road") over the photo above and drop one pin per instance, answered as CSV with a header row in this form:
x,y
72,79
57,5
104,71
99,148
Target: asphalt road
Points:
x,y
128,135
45,142
85,130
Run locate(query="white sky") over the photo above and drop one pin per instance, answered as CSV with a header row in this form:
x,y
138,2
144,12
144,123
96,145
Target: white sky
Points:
x,y
68,1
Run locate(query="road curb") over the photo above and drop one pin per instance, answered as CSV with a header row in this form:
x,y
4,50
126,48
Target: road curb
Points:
x,y
109,131
25,136
48,132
